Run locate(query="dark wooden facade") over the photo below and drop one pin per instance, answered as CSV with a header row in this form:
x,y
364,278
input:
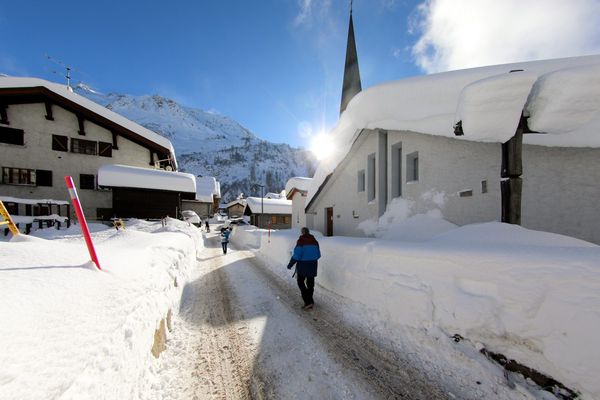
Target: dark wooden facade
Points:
x,y
146,203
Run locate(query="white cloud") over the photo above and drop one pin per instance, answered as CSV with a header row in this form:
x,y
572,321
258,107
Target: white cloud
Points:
x,y
458,34
311,9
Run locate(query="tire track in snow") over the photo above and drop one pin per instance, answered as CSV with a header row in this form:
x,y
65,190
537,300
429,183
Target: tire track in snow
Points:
x,y
384,373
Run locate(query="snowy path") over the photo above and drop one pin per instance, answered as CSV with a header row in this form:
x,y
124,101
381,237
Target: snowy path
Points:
x,y
241,334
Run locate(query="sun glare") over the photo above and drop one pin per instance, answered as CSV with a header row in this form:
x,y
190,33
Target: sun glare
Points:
x,y
321,146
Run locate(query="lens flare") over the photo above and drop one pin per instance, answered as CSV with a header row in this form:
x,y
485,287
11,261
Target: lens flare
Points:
x,y
321,146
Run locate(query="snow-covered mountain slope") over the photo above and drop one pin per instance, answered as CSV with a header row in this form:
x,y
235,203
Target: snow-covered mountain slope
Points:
x,y
207,143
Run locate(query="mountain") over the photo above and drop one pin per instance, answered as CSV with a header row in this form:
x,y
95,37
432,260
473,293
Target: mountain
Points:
x,y
210,144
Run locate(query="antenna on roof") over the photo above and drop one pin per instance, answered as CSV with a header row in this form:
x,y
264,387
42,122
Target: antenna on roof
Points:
x,y
350,6
67,70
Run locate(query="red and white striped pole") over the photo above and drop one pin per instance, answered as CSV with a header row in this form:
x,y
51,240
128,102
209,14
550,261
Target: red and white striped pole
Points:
x,y
82,222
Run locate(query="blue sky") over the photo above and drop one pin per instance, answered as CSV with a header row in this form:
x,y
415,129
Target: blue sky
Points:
x,y
276,66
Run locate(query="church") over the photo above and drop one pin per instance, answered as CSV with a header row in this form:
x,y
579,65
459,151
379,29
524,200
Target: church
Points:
x,y
517,143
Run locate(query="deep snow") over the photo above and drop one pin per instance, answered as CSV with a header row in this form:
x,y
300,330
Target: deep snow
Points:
x,y
532,296
72,332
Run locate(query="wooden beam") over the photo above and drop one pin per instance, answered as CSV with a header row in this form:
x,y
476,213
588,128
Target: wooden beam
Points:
x,y
3,115
151,157
512,169
115,146
49,116
511,191
80,121
512,162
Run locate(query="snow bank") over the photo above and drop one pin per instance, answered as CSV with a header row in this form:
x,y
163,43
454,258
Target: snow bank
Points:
x,y
70,331
397,224
532,296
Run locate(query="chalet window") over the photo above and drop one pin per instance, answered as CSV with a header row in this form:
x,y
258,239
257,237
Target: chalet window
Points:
x,y
286,220
83,147
371,177
397,170
12,136
412,167
484,186
104,149
87,181
18,176
361,180
12,208
44,178
60,143
273,219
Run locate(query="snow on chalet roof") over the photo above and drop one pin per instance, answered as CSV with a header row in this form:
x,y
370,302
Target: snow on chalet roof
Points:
x,y
270,206
561,97
298,183
241,202
62,90
113,175
206,188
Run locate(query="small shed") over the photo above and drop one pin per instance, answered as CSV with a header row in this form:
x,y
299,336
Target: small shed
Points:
x,y
146,193
273,213
236,208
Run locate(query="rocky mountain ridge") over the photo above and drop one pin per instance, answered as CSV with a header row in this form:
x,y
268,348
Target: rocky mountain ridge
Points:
x,y
210,144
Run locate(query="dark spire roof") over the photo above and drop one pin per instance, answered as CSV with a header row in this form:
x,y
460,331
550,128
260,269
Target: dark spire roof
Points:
x,y
351,73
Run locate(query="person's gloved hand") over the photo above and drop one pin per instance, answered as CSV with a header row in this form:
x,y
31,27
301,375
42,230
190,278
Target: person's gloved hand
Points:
x,y
290,265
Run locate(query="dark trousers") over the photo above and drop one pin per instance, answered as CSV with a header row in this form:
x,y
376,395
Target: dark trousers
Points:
x,y
307,287
224,245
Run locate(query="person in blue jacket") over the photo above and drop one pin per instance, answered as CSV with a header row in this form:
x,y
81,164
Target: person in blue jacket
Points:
x,y
306,254
225,239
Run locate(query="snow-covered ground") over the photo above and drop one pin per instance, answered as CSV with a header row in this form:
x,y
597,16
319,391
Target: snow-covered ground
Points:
x,y
70,331
531,296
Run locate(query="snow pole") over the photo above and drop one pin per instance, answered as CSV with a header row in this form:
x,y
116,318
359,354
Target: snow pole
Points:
x,y
269,232
82,221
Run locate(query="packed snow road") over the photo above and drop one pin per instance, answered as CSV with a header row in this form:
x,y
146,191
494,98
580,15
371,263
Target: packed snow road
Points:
x,y
241,334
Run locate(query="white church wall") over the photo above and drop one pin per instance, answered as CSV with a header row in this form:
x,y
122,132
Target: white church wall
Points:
x,y
298,214
350,207
561,188
448,167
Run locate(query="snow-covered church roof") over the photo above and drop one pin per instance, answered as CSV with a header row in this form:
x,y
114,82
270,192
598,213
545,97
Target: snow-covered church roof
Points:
x,y
269,206
560,97
114,175
64,92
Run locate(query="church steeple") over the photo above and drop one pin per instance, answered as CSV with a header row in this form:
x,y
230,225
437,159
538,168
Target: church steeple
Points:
x,y
352,84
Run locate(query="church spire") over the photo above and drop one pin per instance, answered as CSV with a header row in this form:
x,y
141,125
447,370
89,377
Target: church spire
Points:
x,y
351,73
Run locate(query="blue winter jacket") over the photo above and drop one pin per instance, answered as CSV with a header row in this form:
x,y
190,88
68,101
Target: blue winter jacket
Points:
x,y
306,254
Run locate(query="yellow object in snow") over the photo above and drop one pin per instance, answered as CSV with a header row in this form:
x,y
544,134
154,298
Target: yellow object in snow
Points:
x,y
8,220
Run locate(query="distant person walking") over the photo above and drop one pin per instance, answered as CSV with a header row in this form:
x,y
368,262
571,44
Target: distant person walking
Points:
x,y
306,254
207,226
225,239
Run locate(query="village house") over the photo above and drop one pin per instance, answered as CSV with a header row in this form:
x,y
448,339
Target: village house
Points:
x,y
48,132
269,213
208,196
296,190
236,208
517,143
